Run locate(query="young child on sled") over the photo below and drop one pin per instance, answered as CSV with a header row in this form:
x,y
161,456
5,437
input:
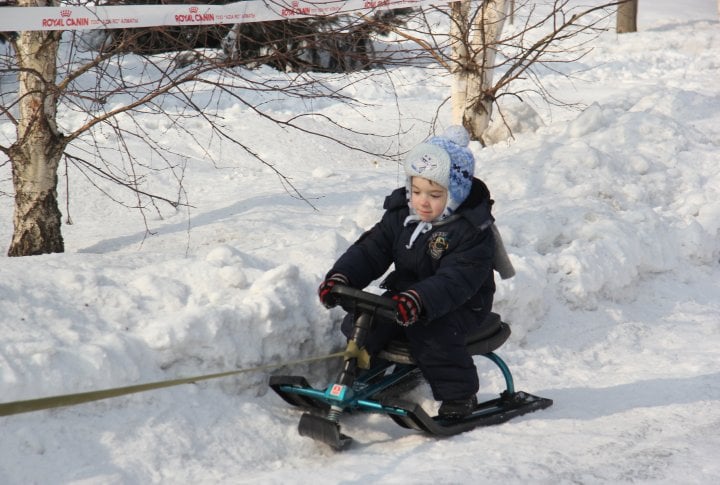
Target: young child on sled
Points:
x,y
437,231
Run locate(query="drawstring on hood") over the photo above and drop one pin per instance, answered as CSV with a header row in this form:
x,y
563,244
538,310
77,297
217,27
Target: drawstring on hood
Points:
x,y
421,228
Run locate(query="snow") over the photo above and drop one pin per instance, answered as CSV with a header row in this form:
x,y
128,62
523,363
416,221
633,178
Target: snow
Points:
x,y
611,216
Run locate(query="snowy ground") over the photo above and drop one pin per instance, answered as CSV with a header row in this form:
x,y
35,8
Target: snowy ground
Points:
x,y
611,215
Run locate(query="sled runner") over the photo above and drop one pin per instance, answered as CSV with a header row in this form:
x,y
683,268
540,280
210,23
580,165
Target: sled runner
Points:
x,y
379,388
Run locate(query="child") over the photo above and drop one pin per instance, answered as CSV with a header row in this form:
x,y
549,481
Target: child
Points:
x,y
437,232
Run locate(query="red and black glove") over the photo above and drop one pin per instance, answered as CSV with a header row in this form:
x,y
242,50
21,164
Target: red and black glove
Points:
x,y
326,286
408,307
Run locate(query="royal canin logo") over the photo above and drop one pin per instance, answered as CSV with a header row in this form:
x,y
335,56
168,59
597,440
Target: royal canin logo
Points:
x,y
194,15
66,20
295,9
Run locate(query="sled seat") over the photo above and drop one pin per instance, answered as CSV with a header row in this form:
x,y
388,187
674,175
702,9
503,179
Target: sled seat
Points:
x,y
493,333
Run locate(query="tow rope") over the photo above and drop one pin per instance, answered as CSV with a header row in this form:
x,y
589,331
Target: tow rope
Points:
x,y
19,407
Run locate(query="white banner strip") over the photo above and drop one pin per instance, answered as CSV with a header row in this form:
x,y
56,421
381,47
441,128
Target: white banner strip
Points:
x,y
129,16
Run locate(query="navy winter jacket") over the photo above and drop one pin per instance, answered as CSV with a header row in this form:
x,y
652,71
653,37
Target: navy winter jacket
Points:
x,y
450,266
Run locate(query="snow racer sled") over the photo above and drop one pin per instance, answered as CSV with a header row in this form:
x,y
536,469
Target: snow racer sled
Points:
x,y
377,389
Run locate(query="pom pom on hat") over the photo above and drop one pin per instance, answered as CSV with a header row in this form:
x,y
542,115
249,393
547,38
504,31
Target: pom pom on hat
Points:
x,y
447,161
458,135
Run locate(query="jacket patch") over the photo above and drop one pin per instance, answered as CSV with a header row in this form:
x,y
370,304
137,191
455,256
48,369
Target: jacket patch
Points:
x,y
437,244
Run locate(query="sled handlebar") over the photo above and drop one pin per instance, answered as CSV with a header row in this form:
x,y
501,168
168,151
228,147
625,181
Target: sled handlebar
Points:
x,y
354,300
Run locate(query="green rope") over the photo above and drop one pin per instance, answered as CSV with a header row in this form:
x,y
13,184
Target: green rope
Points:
x,y
19,407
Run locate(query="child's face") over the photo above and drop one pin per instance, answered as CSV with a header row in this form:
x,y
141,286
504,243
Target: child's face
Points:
x,y
427,198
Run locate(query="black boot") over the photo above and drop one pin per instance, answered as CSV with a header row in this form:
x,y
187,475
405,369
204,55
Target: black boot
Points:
x,y
457,408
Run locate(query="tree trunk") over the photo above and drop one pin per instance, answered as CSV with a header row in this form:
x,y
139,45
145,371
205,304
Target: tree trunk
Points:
x,y
460,58
474,51
627,17
36,153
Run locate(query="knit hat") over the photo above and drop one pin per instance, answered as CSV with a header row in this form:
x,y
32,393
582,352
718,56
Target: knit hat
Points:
x,y
447,161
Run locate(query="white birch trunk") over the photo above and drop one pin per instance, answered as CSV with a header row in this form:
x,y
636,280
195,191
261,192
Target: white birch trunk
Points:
x,y
474,36
36,153
459,58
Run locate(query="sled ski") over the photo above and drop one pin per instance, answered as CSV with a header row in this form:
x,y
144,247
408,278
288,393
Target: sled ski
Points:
x,y
495,411
378,389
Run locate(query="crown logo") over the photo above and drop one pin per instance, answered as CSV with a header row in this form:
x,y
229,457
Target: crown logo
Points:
x,y
65,13
193,10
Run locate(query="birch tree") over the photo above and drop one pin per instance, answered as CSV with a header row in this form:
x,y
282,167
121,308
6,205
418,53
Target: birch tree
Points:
x,y
39,145
474,38
56,72
484,61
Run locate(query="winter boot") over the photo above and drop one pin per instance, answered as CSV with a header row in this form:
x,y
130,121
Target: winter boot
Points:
x,y
457,408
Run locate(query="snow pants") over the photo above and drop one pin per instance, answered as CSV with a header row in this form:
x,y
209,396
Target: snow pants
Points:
x,y
438,348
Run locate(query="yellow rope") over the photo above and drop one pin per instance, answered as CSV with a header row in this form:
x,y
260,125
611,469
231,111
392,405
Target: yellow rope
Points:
x,y
18,407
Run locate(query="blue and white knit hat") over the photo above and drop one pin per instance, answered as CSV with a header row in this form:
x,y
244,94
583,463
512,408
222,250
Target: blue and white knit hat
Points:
x,y
447,161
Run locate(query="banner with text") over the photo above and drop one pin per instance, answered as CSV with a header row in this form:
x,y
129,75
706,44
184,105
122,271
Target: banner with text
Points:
x,y
128,16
